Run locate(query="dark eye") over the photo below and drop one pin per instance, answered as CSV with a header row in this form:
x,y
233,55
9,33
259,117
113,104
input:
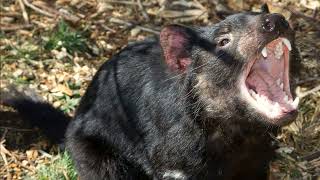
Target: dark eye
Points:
x,y
223,42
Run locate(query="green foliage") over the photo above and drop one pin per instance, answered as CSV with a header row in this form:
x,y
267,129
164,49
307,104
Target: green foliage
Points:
x,y
58,170
295,174
26,51
73,41
2,35
20,80
70,104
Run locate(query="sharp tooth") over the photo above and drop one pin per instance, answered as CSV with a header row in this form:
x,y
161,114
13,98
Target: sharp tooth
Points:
x,y
285,98
295,102
260,100
256,96
264,98
276,109
276,106
278,82
287,43
251,92
281,86
264,52
264,101
290,100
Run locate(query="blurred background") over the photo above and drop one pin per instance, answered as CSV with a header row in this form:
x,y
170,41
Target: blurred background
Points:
x,y
56,46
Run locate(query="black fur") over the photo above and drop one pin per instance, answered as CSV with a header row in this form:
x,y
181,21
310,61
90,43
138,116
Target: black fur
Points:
x,y
142,118
37,112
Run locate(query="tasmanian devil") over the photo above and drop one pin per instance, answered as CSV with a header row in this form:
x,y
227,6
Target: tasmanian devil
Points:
x,y
193,103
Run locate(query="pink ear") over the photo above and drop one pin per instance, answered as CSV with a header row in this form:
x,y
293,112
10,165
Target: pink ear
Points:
x,y
175,41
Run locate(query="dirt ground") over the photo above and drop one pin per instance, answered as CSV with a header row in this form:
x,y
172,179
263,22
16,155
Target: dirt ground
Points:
x,y
56,46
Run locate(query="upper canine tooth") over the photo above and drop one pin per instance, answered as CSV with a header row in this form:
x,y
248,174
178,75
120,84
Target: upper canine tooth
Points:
x,y
287,43
278,82
286,98
295,102
264,52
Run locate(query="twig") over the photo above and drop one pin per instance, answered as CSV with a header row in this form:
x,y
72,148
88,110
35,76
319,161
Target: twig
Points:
x,y
312,128
61,12
148,30
184,13
315,12
293,161
190,4
9,14
4,134
119,21
3,156
16,129
144,13
107,28
310,157
127,3
188,19
66,15
3,152
313,20
24,12
313,90
123,2
104,26
26,2
52,12
6,151
23,166
299,82
40,24
65,175
14,27
45,154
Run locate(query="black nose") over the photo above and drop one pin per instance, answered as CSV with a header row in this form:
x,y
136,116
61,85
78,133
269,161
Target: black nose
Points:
x,y
274,23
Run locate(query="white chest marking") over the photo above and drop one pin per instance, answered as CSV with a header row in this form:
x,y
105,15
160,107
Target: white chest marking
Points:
x,y
174,174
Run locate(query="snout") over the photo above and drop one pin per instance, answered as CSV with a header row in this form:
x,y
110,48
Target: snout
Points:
x,y
274,24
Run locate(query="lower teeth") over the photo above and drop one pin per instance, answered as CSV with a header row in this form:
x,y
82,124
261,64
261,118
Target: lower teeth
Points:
x,y
263,100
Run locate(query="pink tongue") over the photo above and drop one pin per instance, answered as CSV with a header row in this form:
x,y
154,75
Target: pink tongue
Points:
x,y
263,81
264,84
266,72
271,65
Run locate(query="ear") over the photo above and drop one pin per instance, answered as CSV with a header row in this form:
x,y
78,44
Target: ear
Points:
x,y
264,8
176,42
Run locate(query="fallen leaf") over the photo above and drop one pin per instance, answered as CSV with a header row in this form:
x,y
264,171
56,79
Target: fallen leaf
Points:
x,y
32,154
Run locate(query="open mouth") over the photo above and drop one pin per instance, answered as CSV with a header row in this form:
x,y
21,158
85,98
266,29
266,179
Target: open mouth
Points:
x,y
265,84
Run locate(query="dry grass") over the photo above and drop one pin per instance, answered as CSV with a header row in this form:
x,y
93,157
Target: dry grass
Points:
x,y
56,47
